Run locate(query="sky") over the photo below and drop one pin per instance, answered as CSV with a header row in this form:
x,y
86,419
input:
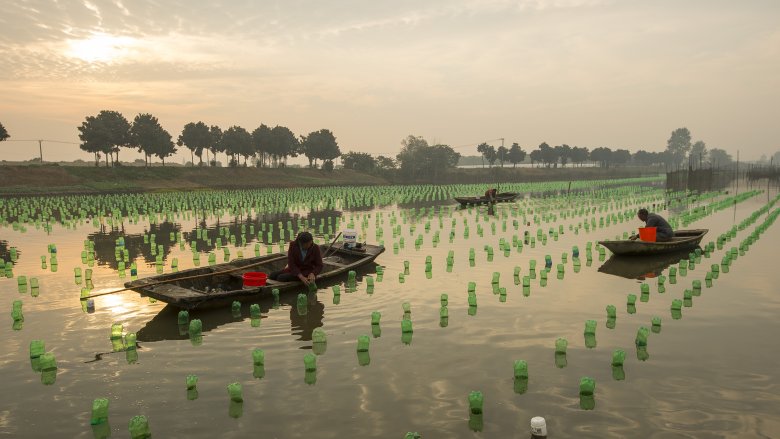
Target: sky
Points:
x,y
616,73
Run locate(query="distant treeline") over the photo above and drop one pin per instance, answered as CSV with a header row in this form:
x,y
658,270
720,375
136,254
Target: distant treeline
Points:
x,y
105,134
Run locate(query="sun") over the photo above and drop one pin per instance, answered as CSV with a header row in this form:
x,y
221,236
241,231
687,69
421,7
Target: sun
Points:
x,y
100,47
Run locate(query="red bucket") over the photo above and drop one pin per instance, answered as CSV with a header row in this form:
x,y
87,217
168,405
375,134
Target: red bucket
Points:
x,y
647,234
255,279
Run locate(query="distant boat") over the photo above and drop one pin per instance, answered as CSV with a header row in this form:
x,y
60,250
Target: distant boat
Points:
x,y
503,197
682,240
209,287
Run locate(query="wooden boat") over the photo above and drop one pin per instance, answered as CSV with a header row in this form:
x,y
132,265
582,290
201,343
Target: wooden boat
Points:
x,y
208,287
642,267
503,197
682,240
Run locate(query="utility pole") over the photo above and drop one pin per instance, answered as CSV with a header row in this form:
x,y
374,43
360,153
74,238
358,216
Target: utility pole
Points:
x,y
40,149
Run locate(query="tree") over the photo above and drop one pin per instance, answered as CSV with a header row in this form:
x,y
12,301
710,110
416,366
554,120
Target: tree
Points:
x,y
601,155
621,156
488,153
359,161
282,144
385,163
536,156
261,139
320,145
516,155
104,133
418,159
644,158
216,143
196,137
150,137
678,145
547,154
564,152
237,141
698,152
3,133
719,157
503,154
579,155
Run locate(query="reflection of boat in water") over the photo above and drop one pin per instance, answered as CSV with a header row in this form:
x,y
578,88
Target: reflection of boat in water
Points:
x,y
682,240
195,288
164,325
641,267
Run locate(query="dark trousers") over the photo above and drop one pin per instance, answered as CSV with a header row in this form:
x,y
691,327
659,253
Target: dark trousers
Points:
x,y
281,276
661,236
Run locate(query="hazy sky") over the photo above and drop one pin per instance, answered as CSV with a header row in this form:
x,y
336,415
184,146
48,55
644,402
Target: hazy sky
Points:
x,y
583,72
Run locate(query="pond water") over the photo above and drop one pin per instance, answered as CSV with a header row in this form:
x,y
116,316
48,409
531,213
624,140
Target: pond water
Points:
x,y
711,373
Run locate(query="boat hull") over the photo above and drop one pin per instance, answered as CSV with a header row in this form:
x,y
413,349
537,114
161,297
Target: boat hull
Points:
x,y
504,197
683,240
220,289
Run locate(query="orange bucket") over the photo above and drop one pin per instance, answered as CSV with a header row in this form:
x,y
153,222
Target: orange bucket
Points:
x,y
254,279
647,234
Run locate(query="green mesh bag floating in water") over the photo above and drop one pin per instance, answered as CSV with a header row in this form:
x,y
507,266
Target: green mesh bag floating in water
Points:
x,y
318,336
196,327
641,336
362,343
587,386
618,357
310,362
375,317
406,326
521,369
476,401
37,348
191,381
590,327
235,307
99,411
254,311
631,299
258,357
561,345
235,392
139,428
184,318
611,312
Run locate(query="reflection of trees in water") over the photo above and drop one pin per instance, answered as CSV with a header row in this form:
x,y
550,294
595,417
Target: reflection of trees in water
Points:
x,y
105,239
242,225
5,251
105,243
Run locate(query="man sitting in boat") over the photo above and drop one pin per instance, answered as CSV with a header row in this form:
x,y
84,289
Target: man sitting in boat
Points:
x,y
490,194
663,231
304,261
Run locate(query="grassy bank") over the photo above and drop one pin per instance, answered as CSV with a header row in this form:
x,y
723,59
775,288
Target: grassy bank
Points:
x,y
17,180
47,179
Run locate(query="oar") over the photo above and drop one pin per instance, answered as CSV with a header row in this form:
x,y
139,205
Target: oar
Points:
x,y
331,245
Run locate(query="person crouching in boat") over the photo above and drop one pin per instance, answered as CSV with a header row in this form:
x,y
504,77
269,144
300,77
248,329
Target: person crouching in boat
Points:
x,y
304,261
490,194
663,231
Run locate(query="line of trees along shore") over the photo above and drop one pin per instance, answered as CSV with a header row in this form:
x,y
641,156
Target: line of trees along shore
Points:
x,y
680,151
106,133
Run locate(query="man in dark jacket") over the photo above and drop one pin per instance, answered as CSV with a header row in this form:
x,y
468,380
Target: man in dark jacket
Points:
x,y
304,261
663,231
